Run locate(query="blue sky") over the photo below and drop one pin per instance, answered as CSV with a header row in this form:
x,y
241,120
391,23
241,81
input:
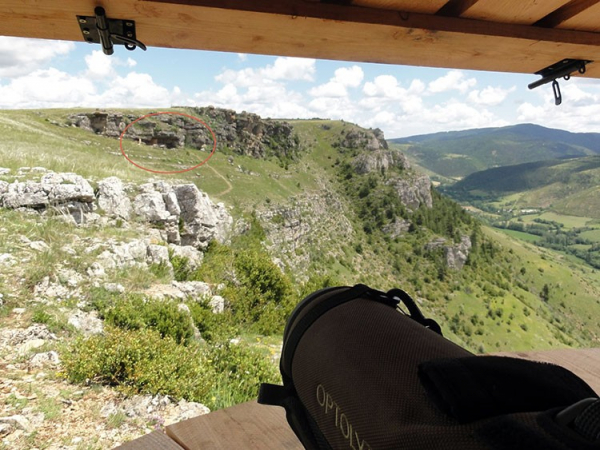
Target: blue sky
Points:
x,y
400,100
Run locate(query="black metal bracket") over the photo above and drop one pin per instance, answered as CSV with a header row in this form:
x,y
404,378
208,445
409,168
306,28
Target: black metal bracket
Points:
x,y
99,29
561,69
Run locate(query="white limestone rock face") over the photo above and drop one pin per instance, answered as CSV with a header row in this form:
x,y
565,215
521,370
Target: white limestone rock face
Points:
x,y
203,221
414,192
53,189
112,198
151,207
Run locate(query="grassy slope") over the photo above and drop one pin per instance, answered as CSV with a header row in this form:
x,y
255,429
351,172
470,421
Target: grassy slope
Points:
x,y
253,184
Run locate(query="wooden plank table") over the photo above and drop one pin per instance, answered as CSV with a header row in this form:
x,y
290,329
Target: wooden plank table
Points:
x,y
254,426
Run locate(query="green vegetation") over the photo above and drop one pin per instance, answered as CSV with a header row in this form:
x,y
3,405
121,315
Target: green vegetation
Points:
x,y
307,220
143,361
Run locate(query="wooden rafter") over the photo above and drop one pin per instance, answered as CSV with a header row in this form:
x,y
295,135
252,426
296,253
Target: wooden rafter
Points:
x,y
455,8
566,12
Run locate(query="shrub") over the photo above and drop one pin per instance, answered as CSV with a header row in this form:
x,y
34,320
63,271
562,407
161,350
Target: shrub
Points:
x,y
241,370
140,362
213,327
134,312
181,268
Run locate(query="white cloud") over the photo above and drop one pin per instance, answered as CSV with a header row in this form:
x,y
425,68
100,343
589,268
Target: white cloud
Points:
x,y
131,62
453,80
99,65
579,111
288,68
349,76
20,56
331,89
283,69
48,88
242,57
490,96
343,78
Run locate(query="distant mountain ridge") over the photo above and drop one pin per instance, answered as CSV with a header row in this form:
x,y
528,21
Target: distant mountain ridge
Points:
x,y
456,154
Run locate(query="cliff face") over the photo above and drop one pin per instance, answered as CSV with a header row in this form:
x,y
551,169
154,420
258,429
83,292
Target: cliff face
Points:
x,y
243,133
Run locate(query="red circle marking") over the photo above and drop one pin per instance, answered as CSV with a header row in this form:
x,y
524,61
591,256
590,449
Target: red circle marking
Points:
x,y
169,171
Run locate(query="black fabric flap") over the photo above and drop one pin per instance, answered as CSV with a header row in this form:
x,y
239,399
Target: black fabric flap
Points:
x,y
479,387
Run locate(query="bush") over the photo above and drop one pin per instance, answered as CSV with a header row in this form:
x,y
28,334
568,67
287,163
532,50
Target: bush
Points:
x,y
212,327
241,370
134,312
140,362
181,268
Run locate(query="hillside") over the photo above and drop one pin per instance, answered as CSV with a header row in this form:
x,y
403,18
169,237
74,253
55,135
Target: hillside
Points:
x,y
566,186
457,154
115,276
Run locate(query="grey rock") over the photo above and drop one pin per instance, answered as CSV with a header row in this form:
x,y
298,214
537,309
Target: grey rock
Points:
x,y
132,253
3,187
397,228
4,170
183,308
46,359
380,161
171,203
457,255
17,421
194,289
7,259
158,254
203,221
53,189
217,303
114,287
414,192
86,322
151,207
96,270
186,410
113,199
39,246
193,256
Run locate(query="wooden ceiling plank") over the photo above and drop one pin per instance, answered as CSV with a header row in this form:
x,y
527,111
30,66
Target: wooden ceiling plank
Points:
x,y
589,20
416,6
522,12
455,8
571,9
316,31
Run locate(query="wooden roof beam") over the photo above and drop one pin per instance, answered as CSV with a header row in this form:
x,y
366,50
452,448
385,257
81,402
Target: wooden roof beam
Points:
x,y
455,8
565,12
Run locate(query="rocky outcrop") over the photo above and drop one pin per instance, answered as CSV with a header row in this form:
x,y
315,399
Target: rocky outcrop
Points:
x,y
202,220
396,228
54,189
455,255
188,217
414,191
244,133
380,161
357,138
185,214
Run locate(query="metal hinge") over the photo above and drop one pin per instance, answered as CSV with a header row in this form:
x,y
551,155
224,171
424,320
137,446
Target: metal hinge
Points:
x,y
99,29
